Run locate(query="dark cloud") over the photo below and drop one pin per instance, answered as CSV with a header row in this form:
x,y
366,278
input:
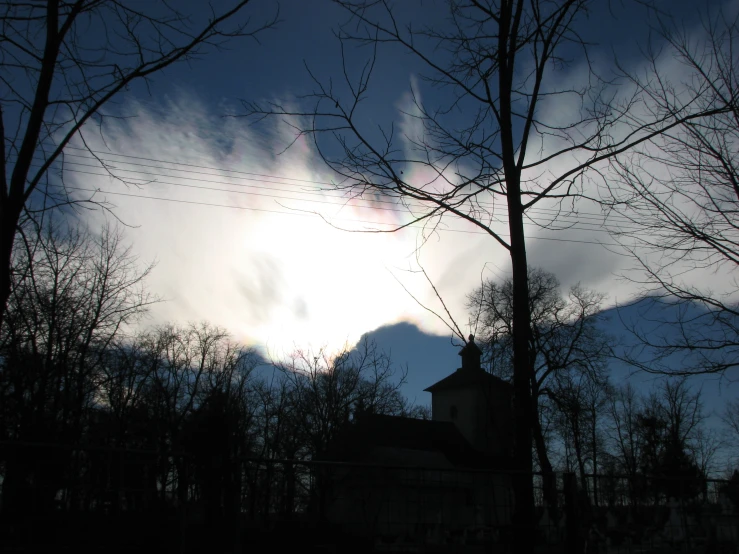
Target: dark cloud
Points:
x,y
573,262
262,285
429,358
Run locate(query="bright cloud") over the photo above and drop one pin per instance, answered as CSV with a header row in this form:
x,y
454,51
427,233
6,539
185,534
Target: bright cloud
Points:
x,y
237,243
265,268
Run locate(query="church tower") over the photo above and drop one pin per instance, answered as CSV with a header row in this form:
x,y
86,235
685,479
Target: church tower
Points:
x,y
478,403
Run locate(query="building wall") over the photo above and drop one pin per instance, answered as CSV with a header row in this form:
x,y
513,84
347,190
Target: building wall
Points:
x,y
483,417
466,404
494,420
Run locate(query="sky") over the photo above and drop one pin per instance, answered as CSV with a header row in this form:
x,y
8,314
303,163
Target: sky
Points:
x,y
228,214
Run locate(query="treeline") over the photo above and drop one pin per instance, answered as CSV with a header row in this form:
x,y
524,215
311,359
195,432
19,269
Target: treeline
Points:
x,y
659,440
94,416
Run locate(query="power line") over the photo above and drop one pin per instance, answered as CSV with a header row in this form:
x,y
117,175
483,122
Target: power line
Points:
x,y
265,210
572,222
322,192
192,165
310,200
541,210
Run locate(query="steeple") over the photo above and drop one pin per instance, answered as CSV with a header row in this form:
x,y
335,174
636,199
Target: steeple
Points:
x,y
471,355
476,401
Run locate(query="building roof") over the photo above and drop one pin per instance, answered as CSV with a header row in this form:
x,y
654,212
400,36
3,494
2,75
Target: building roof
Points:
x,y
371,434
470,374
463,378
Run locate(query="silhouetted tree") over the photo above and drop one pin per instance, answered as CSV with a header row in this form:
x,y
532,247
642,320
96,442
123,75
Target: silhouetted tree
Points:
x,y
73,291
212,442
491,142
327,391
731,489
681,410
676,198
567,351
193,365
57,75
730,417
579,420
656,440
626,439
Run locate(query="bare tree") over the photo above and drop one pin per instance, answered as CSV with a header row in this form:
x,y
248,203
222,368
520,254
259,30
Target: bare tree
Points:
x,y
682,410
731,417
677,410
278,435
579,400
660,440
624,412
567,351
327,391
72,295
488,147
704,448
61,63
677,198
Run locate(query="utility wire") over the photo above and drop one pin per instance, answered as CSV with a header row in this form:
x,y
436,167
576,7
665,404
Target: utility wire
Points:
x,y
570,222
265,210
102,152
554,212
574,226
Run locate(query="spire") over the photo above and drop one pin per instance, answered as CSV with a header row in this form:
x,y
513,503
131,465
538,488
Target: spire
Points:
x,y
471,355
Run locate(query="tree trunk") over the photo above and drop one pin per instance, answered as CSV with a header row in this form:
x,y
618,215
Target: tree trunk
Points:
x,y
523,517
524,491
594,447
549,483
9,217
12,202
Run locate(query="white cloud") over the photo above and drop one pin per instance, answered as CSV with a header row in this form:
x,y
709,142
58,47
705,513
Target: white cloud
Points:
x,y
282,280
272,279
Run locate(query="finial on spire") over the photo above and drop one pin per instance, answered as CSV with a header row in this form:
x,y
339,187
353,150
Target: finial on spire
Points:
x,y
471,354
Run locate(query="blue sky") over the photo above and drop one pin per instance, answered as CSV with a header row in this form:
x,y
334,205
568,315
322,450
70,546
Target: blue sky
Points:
x,y
288,280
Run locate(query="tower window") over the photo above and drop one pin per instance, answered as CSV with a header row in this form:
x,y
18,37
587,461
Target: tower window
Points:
x,y
453,412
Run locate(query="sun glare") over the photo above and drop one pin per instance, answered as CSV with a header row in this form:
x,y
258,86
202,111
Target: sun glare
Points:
x,y
238,240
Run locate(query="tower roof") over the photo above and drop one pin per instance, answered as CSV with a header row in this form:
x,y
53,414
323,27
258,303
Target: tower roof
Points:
x,y
471,354
470,374
464,379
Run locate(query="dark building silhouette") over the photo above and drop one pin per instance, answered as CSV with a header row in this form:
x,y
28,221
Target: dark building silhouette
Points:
x,y
477,403
432,477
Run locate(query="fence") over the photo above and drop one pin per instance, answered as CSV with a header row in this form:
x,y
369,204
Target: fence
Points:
x,y
661,513
121,499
